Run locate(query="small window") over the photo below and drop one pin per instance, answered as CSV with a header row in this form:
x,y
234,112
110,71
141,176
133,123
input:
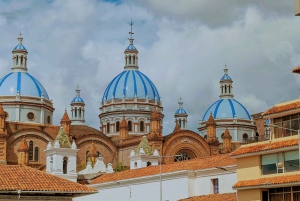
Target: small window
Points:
x,y
180,123
36,154
133,59
142,126
75,112
135,164
65,165
117,126
291,161
129,126
271,163
148,163
107,127
48,119
30,116
17,60
6,114
30,150
129,59
215,183
245,136
21,59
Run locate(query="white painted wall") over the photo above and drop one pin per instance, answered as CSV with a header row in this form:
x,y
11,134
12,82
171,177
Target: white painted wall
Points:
x,y
176,185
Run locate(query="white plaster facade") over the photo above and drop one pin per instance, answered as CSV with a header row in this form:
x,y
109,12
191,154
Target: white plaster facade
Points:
x,y
175,186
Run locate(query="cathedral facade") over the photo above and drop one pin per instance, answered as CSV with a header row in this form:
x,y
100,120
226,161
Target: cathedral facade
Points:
x,y
131,108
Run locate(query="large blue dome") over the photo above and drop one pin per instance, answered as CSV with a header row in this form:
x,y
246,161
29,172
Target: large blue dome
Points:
x,y
21,82
131,83
227,108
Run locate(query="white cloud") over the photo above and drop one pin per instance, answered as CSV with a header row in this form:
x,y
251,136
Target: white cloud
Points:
x,y
183,48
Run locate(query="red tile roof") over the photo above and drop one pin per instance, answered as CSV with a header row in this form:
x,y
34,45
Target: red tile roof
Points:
x,y
16,177
267,145
213,197
281,179
283,107
296,69
194,164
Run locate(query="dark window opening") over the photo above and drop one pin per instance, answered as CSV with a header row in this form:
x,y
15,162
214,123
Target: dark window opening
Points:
x,y
31,150
36,154
65,165
141,126
129,126
117,126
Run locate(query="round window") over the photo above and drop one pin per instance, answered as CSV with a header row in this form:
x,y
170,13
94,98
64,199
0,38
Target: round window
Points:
x,y
48,119
30,116
6,114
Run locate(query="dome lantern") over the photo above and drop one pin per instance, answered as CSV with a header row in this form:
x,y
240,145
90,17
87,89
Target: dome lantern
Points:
x,y
19,57
226,85
181,115
131,53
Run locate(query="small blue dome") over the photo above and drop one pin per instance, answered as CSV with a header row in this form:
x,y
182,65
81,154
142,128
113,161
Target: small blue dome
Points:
x,y
20,47
131,47
21,82
180,111
225,77
77,100
131,83
227,108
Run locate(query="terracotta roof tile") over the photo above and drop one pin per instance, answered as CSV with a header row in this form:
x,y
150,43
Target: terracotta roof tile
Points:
x,y
283,107
296,70
16,177
212,197
267,145
194,164
281,179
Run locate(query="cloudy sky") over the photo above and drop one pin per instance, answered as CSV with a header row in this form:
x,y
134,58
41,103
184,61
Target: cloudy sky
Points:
x,y
183,47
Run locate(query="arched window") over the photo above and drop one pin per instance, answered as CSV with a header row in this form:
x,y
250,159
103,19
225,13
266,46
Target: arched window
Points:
x,y
65,165
148,163
229,89
107,127
36,154
17,60
225,89
129,126
117,126
142,126
182,157
21,60
79,112
180,123
30,150
135,164
133,59
183,123
129,59
25,62
75,112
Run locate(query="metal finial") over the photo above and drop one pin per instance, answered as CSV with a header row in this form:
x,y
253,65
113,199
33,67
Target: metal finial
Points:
x,y
131,28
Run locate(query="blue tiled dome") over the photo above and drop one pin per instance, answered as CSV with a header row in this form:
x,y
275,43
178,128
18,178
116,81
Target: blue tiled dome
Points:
x,y
20,47
23,82
77,100
131,47
227,108
131,83
180,111
225,77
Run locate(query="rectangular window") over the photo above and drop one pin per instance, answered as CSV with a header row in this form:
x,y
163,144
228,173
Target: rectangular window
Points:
x,y
268,163
285,132
215,183
291,161
295,126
